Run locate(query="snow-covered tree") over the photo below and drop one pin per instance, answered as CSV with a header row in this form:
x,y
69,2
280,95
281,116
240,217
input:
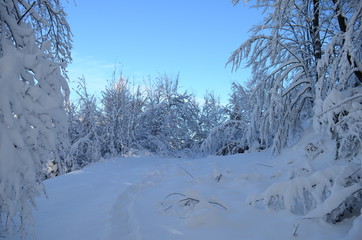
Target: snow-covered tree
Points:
x,y
73,120
283,52
298,54
86,138
169,123
306,60
338,90
34,49
230,136
212,114
115,101
121,112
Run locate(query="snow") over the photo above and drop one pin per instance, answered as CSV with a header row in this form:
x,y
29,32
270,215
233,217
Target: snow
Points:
x,y
148,197
356,231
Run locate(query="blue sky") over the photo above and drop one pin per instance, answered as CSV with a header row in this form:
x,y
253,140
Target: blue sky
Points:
x,y
146,38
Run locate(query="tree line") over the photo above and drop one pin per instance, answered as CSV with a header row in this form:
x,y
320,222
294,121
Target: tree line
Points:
x,y
157,118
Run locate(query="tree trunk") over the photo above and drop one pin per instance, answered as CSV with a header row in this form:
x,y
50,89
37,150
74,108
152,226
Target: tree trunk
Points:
x,y
315,31
342,22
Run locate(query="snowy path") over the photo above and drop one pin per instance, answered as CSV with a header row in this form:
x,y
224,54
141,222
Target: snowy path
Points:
x,y
157,198
124,222
85,202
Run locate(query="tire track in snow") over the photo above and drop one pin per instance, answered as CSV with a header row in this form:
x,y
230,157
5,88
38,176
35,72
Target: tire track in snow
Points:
x,y
124,223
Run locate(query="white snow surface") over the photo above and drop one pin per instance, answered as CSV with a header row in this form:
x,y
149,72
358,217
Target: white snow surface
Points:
x,y
148,197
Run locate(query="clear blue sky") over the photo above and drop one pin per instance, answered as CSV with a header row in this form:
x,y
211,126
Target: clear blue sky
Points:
x,y
149,37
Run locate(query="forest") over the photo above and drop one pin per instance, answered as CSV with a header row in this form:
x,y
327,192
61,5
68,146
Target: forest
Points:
x,y
306,62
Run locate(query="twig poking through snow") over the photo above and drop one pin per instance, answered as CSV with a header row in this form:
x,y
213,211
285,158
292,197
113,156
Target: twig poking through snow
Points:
x,y
295,230
167,208
190,201
264,165
176,193
185,171
219,204
218,178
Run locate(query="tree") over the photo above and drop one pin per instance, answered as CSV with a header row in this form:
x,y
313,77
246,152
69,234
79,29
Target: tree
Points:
x,y
86,142
212,114
35,47
306,61
338,89
229,136
169,122
121,113
283,52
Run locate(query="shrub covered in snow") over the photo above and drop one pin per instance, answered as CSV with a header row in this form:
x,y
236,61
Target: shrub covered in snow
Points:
x,y
169,124
227,138
333,194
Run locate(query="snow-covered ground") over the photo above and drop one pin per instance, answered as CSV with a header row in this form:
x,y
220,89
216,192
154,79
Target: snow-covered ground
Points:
x,y
160,198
